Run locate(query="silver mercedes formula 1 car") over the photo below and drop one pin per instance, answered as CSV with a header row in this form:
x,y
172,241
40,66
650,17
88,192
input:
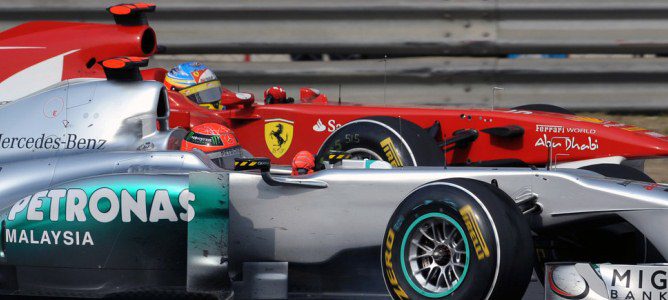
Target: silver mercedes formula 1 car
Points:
x,y
96,200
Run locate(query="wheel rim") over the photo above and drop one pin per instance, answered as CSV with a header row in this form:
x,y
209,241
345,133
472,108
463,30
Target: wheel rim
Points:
x,y
435,255
362,153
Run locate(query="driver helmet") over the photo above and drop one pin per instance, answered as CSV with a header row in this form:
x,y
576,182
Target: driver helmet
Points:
x,y
217,141
303,163
197,82
276,95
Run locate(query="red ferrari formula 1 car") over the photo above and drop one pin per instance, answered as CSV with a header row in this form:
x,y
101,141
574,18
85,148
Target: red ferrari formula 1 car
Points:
x,y
44,53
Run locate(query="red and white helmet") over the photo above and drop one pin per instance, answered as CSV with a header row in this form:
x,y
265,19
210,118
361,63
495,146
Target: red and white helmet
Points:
x,y
303,163
217,141
275,95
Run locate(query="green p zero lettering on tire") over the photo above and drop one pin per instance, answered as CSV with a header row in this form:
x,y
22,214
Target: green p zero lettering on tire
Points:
x,y
437,256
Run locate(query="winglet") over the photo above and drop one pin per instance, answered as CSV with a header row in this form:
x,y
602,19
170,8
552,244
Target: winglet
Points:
x,y
124,68
510,131
131,14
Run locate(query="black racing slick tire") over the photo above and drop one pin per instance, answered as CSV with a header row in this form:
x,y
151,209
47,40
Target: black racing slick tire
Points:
x,y
397,141
457,239
546,108
620,172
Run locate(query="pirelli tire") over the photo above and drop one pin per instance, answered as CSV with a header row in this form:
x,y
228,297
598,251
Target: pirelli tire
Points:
x,y
397,141
457,239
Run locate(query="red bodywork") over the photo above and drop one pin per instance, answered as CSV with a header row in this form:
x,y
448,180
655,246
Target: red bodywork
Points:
x,y
68,49
34,42
575,137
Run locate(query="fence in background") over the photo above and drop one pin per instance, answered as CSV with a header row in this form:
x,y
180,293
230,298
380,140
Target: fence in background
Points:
x,y
481,29
639,85
420,27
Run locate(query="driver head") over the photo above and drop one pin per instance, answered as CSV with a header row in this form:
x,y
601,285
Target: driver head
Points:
x,y
217,141
197,82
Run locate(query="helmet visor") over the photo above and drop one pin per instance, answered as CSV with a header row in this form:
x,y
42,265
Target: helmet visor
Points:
x,y
208,92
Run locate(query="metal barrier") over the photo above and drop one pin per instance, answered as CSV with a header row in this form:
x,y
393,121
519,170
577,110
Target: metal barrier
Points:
x,y
478,28
630,85
394,27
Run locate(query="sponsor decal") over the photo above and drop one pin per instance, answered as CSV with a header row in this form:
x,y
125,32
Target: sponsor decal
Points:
x,y
389,268
581,130
606,281
611,124
471,222
562,129
391,152
103,205
635,282
48,237
278,134
70,141
319,127
331,126
549,128
212,140
568,143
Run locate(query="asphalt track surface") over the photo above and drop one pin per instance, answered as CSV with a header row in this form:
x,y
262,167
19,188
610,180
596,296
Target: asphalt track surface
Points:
x,y
534,292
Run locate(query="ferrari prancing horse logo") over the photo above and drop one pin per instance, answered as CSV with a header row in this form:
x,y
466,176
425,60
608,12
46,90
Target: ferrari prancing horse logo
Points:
x,y
278,135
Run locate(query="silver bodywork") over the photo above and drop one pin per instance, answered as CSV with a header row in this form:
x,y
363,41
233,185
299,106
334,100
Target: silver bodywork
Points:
x,y
310,225
81,116
121,128
58,134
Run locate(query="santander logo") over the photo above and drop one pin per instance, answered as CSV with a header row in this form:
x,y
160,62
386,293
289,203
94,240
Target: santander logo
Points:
x,y
319,127
330,126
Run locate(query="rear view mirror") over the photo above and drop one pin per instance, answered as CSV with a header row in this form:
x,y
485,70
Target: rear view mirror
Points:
x,y
229,98
309,95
